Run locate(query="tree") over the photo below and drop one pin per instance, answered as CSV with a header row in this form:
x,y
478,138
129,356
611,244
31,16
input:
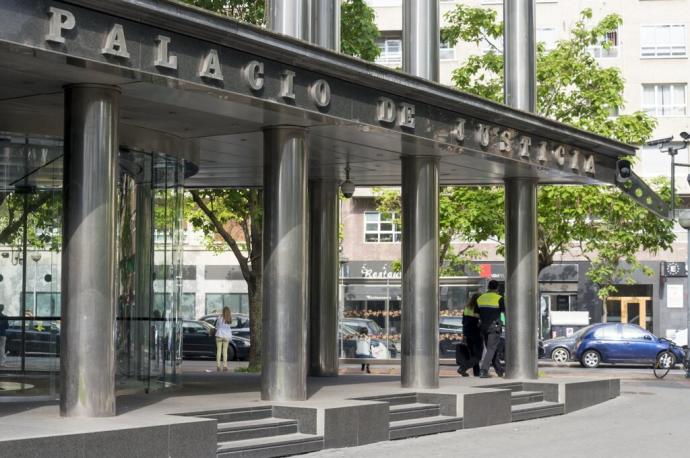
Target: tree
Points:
x,y
41,211
235,214
599,223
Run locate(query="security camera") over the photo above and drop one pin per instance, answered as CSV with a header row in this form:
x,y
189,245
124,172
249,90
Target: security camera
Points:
x,y
685,136
659,141
623,171
347,188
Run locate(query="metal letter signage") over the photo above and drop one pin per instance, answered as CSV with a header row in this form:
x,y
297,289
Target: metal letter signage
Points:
x,y
406,115
459,130
525,143
541,152
575,160
320,93
115,43
505,141
59,20
163,57
287,85
559,154
589,165
482,135
385,110
253,74
210,66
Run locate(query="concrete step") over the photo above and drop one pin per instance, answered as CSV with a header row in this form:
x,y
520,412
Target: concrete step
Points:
x,y
515,386
410,411
267,447
525,397
392,399
252,429
537,410
240,414
423,426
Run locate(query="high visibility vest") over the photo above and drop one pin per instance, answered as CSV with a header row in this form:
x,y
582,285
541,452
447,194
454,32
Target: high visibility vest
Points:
x,y
469,312
489,299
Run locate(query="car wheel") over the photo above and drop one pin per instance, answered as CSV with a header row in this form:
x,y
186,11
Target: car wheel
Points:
x,y
666,359
591,359
560,355
232,353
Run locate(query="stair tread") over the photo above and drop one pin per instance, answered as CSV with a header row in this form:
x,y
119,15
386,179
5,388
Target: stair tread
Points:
x,y
423,421
413,406
517,394
273,441
535,406
249,424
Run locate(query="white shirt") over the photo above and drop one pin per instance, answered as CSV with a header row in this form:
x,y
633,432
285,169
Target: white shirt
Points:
x,y
363,346
223,329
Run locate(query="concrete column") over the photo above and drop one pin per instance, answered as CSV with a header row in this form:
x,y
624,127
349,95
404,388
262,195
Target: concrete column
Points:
x,y
519,45
284,365
522,285
289,17
87,340
323,280
421,38
325,24
420,259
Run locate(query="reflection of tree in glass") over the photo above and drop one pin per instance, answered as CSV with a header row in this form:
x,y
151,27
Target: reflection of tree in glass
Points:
x,y
43,211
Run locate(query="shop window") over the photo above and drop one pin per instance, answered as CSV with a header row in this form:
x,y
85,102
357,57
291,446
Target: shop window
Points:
x,y
237,302
382,227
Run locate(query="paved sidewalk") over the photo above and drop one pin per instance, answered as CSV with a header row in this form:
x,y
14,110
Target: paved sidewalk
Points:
x,y
650,419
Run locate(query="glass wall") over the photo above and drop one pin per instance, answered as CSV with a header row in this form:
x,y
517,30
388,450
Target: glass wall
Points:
x,y
376,304
150,305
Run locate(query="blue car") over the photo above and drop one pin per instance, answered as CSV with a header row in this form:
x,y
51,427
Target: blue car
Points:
x,y
620,343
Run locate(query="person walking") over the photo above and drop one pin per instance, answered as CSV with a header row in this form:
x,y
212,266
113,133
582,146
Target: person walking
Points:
x,y
469,354
363,347
223,337
4,324
491,307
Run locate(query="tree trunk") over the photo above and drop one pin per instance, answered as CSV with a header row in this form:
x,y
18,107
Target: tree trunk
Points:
x,y
604,310
255,317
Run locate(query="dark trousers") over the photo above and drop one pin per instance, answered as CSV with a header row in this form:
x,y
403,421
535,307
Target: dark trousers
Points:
x,y
469,354
492,339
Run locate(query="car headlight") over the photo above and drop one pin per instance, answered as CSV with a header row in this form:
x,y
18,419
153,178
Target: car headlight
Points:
x,y
242,343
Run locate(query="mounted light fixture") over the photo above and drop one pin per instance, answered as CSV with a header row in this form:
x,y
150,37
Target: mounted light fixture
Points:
x,y
347,187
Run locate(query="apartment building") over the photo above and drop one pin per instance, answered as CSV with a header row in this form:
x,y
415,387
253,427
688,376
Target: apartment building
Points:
x,y
651,49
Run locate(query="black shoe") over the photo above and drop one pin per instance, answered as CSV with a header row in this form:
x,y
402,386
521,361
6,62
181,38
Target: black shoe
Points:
x,y
484,374
368,370
363,367
463,372
500,373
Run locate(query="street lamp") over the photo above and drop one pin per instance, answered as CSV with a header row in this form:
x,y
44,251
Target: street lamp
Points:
x,y
35,257
665,146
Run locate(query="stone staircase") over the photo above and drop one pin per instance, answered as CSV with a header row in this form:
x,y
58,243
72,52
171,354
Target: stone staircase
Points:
x,y
528,405
408,417
256,433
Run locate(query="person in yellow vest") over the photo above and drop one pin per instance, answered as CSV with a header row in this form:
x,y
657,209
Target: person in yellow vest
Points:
x,y
491,309
469,352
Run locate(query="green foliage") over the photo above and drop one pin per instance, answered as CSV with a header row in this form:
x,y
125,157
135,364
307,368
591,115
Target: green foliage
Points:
x,y
43,211
251,11
358,31
467,216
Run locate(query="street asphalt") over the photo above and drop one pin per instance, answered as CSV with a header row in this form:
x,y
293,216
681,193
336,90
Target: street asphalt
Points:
x,y
651,418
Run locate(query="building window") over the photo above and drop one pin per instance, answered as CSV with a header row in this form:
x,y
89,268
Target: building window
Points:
x,y
547,35
391,51
663,40
664,99
446,51
381,227
608,46
237,302
164,301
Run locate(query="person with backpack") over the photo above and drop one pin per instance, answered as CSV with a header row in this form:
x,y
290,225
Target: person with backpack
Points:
x,y
364,347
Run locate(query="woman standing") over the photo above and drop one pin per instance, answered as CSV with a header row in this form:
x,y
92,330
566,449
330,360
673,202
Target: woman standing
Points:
x,y
223,337
364,347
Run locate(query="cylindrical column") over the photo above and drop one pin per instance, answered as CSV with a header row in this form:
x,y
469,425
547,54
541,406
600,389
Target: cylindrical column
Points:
x,y
420,260
289,17
520,54
87,339
323,279
522,286
325,24
421,38
284,365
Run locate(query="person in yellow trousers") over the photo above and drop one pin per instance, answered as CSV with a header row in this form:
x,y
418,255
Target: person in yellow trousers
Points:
x,y
223,337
